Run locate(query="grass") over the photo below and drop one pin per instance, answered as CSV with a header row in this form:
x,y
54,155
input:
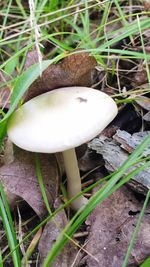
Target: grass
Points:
x,y
66,25
9,228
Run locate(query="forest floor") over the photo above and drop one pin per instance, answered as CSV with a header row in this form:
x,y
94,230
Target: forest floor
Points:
x,y
104,45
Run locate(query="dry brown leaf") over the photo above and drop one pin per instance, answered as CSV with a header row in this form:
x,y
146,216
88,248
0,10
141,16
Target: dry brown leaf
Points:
x,y
31,58
49,236
77,69
113,28
111,226
143,102
141,76
90,161
19,178
146,117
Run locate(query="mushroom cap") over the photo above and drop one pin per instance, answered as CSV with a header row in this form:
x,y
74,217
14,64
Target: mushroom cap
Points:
x,y
61,119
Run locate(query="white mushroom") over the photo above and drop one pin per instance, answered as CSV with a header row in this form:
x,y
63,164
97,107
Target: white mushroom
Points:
x,y
59,121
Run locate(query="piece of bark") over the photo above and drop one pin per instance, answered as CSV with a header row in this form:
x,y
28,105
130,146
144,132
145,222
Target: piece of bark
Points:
x,y
77,69
114,156
19,178
111,225
51,232
112,153
130,142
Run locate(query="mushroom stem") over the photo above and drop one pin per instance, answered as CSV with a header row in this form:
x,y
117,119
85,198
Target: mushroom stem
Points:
x,y
73,178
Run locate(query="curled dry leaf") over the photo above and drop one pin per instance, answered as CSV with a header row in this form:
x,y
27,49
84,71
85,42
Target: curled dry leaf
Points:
x,y
143,102
19,178
111,226
146,117
76,69
49,236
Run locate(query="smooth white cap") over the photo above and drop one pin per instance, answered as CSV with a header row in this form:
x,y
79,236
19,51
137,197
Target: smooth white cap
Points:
x,y
61,119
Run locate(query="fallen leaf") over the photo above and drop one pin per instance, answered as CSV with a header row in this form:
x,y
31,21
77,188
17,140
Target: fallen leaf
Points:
x,y
49,236
111,226
19,178
141,76
113,29
31,58
146,117
143,102
8,152
89,161
76,69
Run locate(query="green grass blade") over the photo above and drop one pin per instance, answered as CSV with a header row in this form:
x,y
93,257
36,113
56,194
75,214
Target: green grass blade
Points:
x,y
146,263
22,10
125,32
22,84
104,18
40,180
144,52
123,19
1,260
9,228
5,18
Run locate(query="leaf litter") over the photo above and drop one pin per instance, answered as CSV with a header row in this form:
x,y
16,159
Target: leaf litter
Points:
x,y
51,232
110,227
111,224
17,172
20,182
19,178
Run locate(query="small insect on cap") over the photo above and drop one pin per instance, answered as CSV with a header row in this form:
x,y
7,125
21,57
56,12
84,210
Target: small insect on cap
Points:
x,y
61,119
